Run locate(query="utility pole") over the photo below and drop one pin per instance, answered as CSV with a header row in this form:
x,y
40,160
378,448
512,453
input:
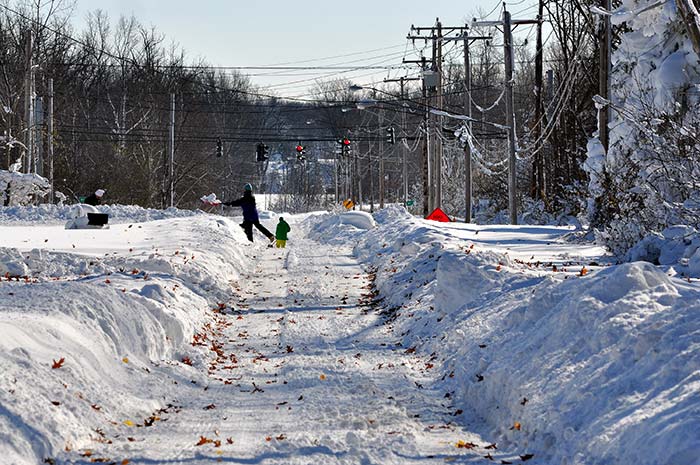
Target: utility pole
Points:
x,y
538,189
605,41
467,103
440,105
171,140
381,163
432,175
510,117
50,141
404,151
338,155
426,150
468,146
29,103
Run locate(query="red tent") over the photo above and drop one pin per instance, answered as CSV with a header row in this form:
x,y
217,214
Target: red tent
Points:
x,y
439,215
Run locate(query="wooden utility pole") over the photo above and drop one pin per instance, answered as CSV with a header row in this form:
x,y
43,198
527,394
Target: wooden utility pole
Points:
x,y
381,163
404,151
538,186
50,142
510,117
604,76
171,147
438,120
468,146
426,149
337,155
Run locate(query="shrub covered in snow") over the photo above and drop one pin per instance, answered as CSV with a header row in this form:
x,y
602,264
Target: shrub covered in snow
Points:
x,y
21,189
647,180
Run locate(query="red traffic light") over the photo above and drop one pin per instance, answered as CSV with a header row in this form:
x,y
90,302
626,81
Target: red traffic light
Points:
x,y
346,141
300,148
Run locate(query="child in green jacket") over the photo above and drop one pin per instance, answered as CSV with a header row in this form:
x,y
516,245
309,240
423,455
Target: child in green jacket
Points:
x,y
281,233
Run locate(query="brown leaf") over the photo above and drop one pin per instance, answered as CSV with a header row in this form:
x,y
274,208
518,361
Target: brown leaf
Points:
x,y
526,457
488,456
58,364
281,437
55,402
229,440
465,445
491,447
203,440
517,426
210,407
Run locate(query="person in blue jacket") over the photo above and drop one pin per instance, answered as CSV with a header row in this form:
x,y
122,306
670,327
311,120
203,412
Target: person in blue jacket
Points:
x,y
250,214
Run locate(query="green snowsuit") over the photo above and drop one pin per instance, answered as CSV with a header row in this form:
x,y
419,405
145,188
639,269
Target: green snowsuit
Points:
x,y
281,233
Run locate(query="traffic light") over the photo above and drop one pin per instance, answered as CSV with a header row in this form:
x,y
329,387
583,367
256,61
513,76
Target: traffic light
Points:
x,y
301,151
391,135
262,152
219,147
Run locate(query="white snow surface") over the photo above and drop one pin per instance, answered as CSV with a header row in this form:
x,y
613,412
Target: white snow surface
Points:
x,y
390,344
59,214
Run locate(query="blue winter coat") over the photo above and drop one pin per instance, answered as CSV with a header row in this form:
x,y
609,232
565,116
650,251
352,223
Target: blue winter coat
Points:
x,y
247,204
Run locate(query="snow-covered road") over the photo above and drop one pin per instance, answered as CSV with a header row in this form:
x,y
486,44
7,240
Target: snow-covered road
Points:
x,y
370,340
304,370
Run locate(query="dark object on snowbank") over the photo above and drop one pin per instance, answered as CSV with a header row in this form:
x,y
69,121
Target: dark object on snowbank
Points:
x,y
97,219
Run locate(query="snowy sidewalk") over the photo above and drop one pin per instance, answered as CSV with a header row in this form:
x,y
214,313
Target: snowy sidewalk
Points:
x,y
304,372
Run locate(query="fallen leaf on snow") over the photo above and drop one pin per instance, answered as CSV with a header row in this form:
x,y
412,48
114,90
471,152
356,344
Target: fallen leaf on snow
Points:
x,y
465,445
58,364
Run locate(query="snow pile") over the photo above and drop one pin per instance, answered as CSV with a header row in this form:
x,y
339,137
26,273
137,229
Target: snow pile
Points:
x,y
341,228
93,329
583,365
57,214
676,247
21,189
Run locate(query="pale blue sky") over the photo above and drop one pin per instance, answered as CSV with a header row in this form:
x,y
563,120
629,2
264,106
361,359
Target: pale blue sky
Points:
x,y
240,33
